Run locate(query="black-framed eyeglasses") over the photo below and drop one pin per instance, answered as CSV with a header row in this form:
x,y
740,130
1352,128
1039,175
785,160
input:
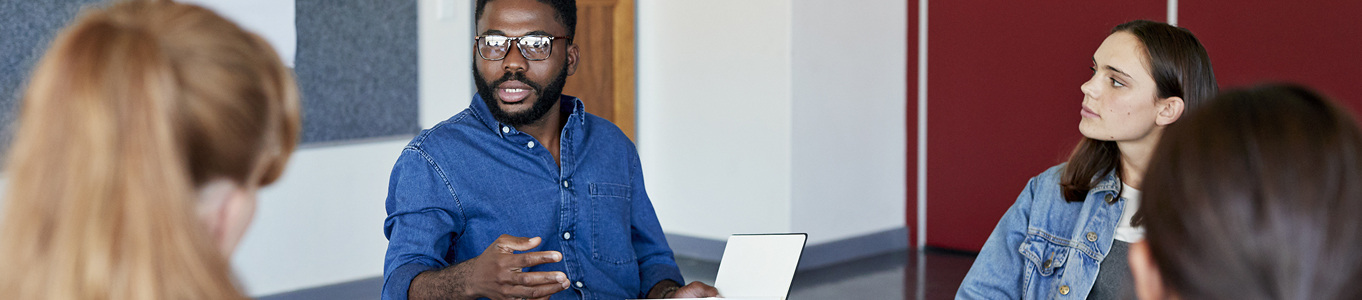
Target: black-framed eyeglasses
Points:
x,y
533,47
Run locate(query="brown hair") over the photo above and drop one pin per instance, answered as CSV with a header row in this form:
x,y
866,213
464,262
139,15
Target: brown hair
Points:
x,y
1258,196
132,108
1180,68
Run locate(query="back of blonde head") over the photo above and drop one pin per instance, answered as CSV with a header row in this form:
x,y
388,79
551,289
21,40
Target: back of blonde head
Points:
x,y
134,106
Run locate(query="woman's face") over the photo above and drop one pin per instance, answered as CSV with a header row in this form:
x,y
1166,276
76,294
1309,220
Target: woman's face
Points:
x,y
1120,101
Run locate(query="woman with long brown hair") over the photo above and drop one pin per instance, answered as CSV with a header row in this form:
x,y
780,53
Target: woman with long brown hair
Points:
x,y
145,132
1257,196
1067,234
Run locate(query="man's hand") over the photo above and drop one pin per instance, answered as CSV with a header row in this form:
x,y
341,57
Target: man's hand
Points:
x,y
671,289
696,289
495,274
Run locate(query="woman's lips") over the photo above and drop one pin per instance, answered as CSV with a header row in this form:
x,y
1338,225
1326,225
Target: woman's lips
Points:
x,y
1088,113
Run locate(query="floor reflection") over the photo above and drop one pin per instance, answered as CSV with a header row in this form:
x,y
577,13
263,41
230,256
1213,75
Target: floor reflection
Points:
x,y
930,274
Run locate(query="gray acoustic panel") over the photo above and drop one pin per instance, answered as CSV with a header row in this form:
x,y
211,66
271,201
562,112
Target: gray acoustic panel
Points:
x,y
356,63
357,68
26,28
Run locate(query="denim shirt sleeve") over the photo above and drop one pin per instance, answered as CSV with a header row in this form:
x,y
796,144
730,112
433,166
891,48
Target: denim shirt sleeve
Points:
x,y
997,272
423,218
655,260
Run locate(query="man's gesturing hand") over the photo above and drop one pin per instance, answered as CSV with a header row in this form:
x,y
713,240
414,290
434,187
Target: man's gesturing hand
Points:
x,y
495,274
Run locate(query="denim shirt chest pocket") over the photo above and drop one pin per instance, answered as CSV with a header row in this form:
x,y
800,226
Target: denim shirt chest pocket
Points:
x,y
1045,256
611,211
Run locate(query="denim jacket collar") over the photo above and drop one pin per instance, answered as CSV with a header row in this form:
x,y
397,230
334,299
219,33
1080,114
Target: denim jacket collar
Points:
x,y
480,110
1109,183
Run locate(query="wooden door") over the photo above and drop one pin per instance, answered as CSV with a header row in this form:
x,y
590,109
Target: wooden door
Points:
x,y
605,73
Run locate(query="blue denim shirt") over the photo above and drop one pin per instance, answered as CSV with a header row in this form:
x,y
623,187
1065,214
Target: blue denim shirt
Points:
x,y
1045,247
462,183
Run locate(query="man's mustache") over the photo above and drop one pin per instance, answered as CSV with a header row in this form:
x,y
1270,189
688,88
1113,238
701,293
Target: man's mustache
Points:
x,y
517,76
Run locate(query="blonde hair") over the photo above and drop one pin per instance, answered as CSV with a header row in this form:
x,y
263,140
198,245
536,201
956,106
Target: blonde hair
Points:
x,y
135,106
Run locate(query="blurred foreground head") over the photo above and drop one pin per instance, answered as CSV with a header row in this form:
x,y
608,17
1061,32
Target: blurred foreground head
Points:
x,y
145,131
1257,195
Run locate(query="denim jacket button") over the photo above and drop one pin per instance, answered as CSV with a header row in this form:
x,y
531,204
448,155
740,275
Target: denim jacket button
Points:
x,y
1064,289
1092,236
1111,199
1046,265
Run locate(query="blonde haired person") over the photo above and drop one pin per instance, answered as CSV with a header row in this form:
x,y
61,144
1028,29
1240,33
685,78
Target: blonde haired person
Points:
x,y
145,132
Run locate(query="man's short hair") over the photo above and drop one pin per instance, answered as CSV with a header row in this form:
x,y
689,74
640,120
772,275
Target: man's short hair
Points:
x,y
566,13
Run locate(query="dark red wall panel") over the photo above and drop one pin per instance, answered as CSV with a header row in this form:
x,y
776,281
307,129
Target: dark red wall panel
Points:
x,y
911,120
1315,43
1003,101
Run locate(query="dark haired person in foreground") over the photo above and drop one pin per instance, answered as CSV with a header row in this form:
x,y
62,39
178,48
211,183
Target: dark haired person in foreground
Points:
x,y
1067,235
524,194
1257,196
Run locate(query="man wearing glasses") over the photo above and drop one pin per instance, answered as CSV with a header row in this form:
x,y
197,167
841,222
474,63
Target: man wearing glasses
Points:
x,y
525,169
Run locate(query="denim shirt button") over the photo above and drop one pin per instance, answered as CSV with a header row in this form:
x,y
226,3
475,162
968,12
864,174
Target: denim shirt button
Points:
x,y
1092,236
530,145
579,284
505,129
1111,199
567,235
565,184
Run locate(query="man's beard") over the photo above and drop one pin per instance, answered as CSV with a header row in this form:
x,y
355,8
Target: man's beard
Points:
x,y
548,96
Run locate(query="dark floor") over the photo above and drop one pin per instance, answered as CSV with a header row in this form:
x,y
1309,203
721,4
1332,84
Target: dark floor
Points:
x,y
892,275
931,274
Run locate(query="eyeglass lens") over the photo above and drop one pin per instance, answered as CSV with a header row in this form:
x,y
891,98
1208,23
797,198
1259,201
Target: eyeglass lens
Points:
x,y
494,47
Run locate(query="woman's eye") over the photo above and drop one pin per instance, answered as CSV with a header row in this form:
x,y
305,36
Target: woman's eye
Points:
x,y
1116,83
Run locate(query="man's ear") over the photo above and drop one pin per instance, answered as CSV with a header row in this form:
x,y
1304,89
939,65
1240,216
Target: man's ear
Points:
x,y
1170,109
225,208
572,52
1148,280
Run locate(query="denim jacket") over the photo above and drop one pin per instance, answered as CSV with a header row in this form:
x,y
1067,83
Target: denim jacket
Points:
x,y
1045,247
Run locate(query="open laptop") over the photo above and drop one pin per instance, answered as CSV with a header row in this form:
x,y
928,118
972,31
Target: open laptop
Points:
x,y
759,266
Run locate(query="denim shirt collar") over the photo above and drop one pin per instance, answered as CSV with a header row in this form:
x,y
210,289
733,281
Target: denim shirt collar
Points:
x,y
576,117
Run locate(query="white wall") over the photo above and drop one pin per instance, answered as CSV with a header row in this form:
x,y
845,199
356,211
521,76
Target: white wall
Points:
x,y
322,223
445,56
773,116
850,73
714,114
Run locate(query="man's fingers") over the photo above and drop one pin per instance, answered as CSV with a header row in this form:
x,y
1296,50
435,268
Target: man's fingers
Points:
x,y
696,289
530,259
509,243
531,292
537,278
